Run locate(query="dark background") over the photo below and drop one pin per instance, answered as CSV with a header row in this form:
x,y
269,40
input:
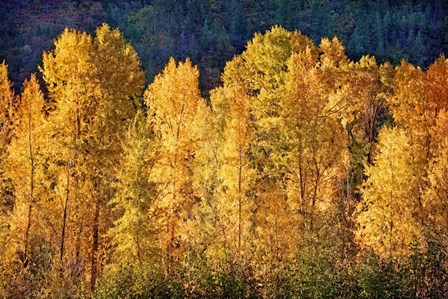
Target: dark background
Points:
x,y
212,31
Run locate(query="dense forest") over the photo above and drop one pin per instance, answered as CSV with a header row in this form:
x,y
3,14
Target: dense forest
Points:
x,y
270,165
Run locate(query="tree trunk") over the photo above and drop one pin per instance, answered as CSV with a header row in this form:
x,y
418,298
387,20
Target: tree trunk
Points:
x,y
95,239
31,198
64,218
27,234
239,201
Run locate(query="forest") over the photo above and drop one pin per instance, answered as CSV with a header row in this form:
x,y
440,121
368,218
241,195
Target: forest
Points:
x,y
211,32
302,172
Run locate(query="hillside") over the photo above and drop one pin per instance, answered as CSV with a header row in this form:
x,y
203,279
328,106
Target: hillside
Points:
x,y
210,32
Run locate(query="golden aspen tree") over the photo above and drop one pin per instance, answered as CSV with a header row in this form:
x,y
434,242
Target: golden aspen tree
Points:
x,y
435,84
359,101
7,108
205,179
260,72
8,104
134,234
25,165
66,72
120,79
387,220
415,105
417,156
435,198
391,209
93,82
236,176
370,85
301,107
436,195
314,98
411,109
174,103
317,142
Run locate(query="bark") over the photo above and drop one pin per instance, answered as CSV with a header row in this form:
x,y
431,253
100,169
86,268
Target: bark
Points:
x,y
64,217
95,239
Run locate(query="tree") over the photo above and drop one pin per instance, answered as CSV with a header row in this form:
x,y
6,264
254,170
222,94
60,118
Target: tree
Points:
x,y
254,140
65,70
387,221
174,103
436,195
120,81
435,199
316,141
288,92
411,109
236,175
417,102
8,106
92,107
134,234
25,165
8,103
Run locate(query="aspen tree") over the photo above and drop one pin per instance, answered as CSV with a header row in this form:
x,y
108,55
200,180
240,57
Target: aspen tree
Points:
x,y
258,74
93,82
66,72
436,196
134,234
8,105
25,165
174,103
119,80
235,172
387,220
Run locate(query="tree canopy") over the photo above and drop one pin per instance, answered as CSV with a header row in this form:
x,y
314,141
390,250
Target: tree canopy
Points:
x,y
305,174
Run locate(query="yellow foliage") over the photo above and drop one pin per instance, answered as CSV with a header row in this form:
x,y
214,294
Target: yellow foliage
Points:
x,y
175,107
25,166
387,220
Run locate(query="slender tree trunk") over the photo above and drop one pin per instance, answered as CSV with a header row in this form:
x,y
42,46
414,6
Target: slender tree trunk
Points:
x,y
31,198
302,185
239,202
95,238
64,217
171,248
27,233
78,251
313,205
171,230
